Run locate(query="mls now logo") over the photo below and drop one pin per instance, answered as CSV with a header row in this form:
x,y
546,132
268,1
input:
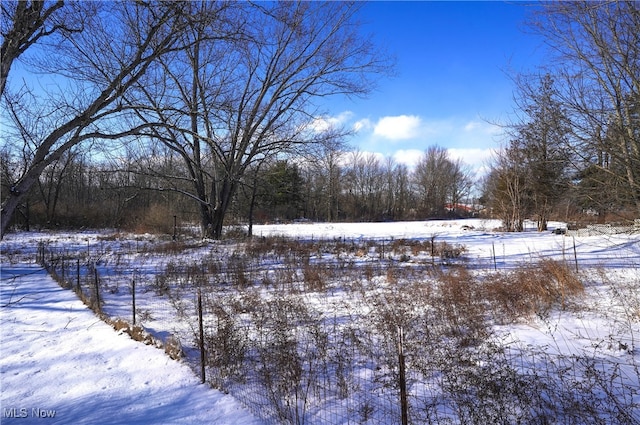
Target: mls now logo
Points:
x,y
23,412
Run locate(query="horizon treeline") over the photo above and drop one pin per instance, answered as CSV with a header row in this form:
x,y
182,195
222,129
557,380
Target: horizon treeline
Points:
x,y
80,192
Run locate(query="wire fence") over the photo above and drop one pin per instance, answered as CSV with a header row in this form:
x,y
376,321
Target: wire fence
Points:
x,y
296,349
605,229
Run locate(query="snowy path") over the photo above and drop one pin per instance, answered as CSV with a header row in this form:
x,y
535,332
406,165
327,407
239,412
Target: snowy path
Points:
x,y
59,364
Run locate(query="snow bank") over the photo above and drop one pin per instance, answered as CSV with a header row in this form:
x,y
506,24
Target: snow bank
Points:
x,y
60,364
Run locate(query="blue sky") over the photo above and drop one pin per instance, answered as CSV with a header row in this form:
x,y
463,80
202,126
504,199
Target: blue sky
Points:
x,y
454,61
453,65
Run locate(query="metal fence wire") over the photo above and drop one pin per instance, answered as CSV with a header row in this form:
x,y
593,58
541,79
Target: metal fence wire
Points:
x,y
292,361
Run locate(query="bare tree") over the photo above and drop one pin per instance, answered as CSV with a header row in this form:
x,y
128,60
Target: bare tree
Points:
x,y
323,172
51,182
438,181
248,91
23,24
505,190
396,190
597,46
364,181
461,185
93,68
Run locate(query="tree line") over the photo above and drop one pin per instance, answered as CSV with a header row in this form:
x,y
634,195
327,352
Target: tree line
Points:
x,y
210,110
355,186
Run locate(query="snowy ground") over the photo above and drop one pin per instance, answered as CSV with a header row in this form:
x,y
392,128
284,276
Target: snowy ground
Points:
x,y
60,364
56,355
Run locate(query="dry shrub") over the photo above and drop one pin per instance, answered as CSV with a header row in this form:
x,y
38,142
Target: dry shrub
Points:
x,y
173,347
136,332
226,339
197,275
532,289
407,247
162,284
291,348
157,219
278,247
448,251
461,306
170,247
259,247
563,281
508,302
314,276
392,275
368,271
398,246
420,246
238,271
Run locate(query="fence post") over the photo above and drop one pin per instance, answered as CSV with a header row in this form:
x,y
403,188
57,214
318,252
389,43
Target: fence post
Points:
x,y
575,253
133,299
433,249
175,227
95,274
403,379
493,250
39,254
78,276
201,326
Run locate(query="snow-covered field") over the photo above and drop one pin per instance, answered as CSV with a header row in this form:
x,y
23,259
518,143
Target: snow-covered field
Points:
x,y
57,356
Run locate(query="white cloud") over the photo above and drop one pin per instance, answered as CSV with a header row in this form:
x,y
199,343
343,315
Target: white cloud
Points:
x,y
406,137
321,124
472,126
363,124
399,127
482,127
476,158
408,157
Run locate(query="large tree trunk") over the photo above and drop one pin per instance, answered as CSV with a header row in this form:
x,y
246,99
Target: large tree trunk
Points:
x,y
205,220
16,195
227,191
9,206
252,204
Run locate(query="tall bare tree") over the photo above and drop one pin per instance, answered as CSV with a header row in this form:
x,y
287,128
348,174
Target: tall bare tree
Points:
x,y
505,188
396,190
249,91
597,47
324,175
92,69
438,181
364,181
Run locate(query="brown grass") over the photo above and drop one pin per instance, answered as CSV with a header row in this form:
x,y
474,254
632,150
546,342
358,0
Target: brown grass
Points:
x,y
136,332
532,290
